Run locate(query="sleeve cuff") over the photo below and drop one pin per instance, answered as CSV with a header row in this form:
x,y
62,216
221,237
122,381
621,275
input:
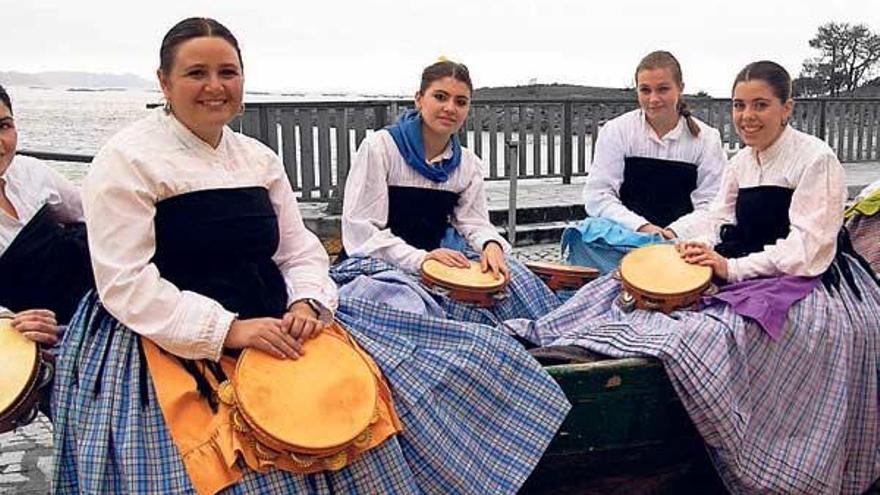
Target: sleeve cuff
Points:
x,y
216,329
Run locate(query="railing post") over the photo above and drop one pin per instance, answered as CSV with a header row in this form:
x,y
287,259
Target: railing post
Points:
x,y
512,165
380,117
566,142
822,104
264,124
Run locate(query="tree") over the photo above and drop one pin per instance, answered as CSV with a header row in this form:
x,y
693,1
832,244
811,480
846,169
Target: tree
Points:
x,y
848,56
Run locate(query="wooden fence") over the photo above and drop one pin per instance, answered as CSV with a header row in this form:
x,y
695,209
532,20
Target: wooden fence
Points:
x,y
554,138
317,141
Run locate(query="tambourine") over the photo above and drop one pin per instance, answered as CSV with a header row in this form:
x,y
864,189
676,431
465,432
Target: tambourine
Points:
x,y
23,377
468,285
320,411
655,277
558,276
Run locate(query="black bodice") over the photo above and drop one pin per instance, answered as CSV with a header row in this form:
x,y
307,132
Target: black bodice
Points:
x,y
761,219
420,216
220,243
659,190
47,266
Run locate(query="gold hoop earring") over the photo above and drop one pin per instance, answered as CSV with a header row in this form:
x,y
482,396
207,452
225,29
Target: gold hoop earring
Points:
x,y
166,105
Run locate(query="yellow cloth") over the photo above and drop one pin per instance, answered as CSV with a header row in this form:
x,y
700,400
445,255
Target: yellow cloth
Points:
x,y
868,206
208,442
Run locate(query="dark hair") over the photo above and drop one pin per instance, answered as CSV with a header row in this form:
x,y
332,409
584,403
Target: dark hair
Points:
x,y
445,68
4,97
771,73
661,59
187,29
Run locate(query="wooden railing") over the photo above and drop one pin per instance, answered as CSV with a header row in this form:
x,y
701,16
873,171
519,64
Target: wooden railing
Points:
x,y
554,138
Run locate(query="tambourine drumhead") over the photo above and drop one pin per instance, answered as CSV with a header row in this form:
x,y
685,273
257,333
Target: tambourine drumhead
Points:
x,y
473,277
18,361
319,401
659,269
550,267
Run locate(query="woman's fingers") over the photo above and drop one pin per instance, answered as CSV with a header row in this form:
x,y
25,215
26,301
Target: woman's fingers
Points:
x,y
45,338
282,344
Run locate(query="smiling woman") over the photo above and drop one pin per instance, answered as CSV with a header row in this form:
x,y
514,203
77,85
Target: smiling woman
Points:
x,y
201,259
651,166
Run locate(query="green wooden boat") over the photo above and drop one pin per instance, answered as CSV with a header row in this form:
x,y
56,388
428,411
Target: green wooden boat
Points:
x,y
627,432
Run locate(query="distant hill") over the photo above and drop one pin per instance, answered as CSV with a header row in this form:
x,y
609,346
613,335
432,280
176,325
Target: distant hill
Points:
x,y
72,79
551,91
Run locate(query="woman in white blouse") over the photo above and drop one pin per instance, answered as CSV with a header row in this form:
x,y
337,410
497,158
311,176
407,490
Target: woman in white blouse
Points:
x,y
198,247
415,194
44,264
780,205
651,166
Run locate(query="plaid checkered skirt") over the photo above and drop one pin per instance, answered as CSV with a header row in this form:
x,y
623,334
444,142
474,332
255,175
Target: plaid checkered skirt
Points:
x,y
796,415
527,295
865,233
477,412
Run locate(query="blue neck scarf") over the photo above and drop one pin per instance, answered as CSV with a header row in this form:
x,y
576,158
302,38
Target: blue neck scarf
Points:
x,y
407,134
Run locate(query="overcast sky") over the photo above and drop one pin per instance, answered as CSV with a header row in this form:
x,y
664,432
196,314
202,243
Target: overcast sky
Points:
x,y
382,45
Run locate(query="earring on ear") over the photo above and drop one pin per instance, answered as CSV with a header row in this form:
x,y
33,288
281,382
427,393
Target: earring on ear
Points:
x,y
241,110
166,105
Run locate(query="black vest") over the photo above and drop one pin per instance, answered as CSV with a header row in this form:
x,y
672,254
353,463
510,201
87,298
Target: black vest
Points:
x,y
420,216
219,243
659,190
47,266
761,219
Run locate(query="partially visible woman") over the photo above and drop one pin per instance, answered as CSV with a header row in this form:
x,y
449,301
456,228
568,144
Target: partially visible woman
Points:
x,y
44,262
863,222
415,194
200,251
652,166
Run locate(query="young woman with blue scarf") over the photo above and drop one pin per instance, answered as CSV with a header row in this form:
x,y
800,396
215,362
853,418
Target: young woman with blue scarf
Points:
x,y
414,194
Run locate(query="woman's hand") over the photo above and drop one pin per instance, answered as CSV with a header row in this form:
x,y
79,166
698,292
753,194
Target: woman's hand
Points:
x,y
698,253
650,228
448,257
492,259
265,334
38,325
302,322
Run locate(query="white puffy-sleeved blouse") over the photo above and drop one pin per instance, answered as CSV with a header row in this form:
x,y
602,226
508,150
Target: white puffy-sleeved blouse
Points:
x,y
796,161
378,165
30,184
630,135
157,158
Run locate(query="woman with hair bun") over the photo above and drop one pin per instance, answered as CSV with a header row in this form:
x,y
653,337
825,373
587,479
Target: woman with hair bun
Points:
x,y
200,255
414,193
652,166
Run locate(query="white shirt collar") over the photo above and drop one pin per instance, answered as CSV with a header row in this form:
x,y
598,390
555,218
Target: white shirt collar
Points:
x,y
188,137
774,150
672,135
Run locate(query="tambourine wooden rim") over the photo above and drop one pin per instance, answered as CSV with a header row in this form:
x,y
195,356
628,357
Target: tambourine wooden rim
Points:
x,y
562,276
314,404
20,369
472,278
466,285
655,277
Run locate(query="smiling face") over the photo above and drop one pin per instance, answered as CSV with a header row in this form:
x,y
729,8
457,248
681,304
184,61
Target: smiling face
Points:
x,y
758,113
204,86
8,137
658,94
444,106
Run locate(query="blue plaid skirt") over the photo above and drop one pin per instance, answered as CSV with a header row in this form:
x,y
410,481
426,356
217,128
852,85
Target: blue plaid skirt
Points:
x,y
477,412
795,415
527,295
